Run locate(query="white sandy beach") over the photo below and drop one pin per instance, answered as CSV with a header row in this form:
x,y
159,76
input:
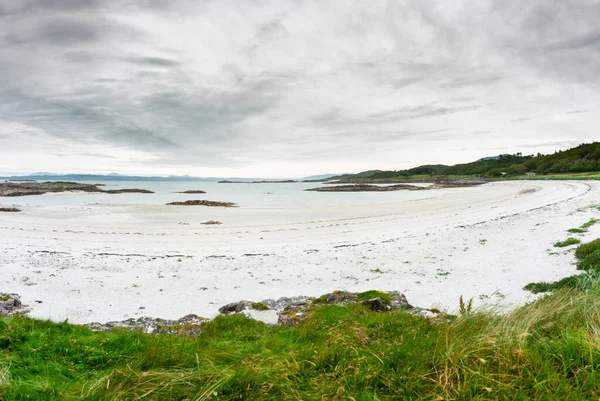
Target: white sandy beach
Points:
x,y
109,262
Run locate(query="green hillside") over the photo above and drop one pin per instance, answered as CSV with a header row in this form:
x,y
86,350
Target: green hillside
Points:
x,y
581,159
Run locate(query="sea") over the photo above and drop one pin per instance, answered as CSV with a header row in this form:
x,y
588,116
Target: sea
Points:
x,y
246,195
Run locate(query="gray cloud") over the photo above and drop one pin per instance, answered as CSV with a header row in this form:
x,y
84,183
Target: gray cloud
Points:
x,y
67,32
187,85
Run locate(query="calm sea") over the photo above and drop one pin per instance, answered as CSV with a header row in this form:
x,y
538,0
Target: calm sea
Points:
x,y
262,196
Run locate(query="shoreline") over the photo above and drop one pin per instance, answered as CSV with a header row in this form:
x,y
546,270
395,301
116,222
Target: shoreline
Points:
x,y
484,243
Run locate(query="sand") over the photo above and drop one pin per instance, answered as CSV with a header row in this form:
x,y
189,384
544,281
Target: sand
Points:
x,y
110,262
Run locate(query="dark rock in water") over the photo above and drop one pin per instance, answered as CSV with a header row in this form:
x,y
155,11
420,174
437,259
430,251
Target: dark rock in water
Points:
x,y
377,305
40,188
10,304
129,191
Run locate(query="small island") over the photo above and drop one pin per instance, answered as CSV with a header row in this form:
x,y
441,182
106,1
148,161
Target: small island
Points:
x,y
193,191
367,188
26,188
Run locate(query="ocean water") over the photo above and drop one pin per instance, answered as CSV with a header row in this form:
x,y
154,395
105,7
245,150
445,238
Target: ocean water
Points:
x,y
259,196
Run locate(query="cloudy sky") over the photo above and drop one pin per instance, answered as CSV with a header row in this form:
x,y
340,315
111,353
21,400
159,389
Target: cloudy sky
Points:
x,y
291,88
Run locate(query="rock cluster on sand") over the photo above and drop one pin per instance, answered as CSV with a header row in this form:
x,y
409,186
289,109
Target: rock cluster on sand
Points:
x,y
11,304
202,203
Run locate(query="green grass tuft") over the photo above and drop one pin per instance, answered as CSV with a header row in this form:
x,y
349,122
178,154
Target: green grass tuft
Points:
x,y
260,306
568,242
589,224
365,296
588,259
576,230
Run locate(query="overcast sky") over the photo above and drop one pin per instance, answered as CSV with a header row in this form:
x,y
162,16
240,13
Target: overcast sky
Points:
x,y
291,88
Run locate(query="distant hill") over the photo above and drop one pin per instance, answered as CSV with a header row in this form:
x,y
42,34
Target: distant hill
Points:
x,y
583,158
316,177
114,177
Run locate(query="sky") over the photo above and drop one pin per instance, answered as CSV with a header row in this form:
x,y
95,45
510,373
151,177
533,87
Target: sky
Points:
x,y
290,88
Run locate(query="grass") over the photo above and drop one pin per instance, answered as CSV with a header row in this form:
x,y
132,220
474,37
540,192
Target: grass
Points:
x,y
260,306
544,350
584,227
367,295
567,242
588,259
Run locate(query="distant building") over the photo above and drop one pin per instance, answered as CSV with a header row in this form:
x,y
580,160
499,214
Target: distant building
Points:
x,y
531,173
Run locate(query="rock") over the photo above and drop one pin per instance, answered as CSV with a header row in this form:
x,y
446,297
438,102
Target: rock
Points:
x,y
201,202
10,304
424,313
189,324
340,297
377,305
284,302
292,316
398,301
235,307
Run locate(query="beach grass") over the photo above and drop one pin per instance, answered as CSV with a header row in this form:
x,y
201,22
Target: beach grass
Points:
x,y
567,242
544,350
588,259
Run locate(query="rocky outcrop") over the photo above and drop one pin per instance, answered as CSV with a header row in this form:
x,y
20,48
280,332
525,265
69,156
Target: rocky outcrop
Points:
x,y
292,311
189,324
128,191
203,203
285,311
9,209
27,188
10,304
367,188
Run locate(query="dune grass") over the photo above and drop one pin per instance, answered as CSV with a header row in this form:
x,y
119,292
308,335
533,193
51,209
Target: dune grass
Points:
x,y
546,350
568,242
588,260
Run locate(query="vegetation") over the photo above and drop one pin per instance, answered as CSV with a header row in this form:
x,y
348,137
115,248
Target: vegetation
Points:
x,y
545,350
9,209
260,306
365,296
590,223
567,242
588,259
575,163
